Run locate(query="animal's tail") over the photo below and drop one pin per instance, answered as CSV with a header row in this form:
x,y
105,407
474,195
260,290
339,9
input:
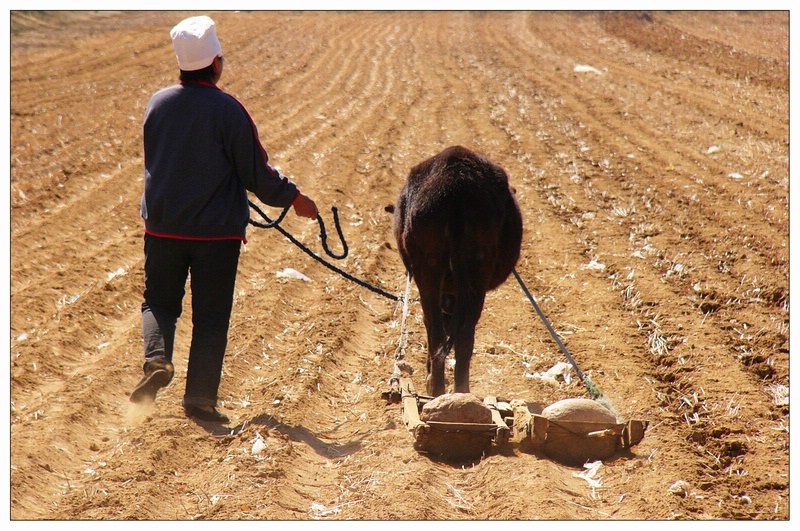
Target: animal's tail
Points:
x,y
464,310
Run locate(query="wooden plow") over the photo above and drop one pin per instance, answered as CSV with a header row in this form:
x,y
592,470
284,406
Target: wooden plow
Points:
x,y
569,442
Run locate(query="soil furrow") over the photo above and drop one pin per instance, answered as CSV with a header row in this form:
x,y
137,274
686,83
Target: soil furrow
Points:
x,y
666,277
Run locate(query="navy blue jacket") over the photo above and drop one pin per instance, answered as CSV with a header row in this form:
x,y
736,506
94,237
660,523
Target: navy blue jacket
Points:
x,y
201,156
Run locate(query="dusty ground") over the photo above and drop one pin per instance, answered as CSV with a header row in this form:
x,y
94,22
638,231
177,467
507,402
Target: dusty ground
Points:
x,y
655,198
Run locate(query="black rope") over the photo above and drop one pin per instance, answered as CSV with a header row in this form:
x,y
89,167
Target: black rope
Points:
x,y
323,236
270,224
594,392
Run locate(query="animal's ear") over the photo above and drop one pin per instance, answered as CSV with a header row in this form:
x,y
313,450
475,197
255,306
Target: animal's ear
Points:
x,y
389,209
513,190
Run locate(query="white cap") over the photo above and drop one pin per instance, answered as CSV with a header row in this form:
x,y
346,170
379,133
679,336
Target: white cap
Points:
x,y
195,42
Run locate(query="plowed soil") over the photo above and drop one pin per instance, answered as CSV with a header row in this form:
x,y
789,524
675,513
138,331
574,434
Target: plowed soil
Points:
x,y
650,154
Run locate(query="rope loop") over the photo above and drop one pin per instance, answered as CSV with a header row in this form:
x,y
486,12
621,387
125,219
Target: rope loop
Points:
x,y
270,224
323,236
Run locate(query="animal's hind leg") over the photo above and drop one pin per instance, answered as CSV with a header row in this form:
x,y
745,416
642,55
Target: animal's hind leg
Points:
x,y
464,344
437,353
437,349
435,383
464,341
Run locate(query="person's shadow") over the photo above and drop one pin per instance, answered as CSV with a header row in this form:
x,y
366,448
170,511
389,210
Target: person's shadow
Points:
x,y
294,433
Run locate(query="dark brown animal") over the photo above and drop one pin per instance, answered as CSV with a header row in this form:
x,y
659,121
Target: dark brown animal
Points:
x,y
458,229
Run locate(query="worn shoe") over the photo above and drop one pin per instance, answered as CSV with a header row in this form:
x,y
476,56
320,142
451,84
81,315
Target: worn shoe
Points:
x,y
206,413
157,374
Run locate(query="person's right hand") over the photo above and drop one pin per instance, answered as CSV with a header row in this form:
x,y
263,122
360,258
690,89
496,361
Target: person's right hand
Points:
x,y
304,206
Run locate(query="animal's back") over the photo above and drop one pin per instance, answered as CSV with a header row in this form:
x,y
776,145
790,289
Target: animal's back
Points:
x,y
458,207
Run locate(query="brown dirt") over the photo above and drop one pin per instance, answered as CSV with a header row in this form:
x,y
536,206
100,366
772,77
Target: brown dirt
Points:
x,y
663,264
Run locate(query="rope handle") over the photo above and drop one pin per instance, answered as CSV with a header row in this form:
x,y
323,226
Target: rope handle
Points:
x,y
323,235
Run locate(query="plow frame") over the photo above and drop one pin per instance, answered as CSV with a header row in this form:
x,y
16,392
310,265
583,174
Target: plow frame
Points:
x,y
402,391
511,420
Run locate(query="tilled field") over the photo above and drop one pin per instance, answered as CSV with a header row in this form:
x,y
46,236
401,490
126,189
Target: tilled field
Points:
x,y
650,156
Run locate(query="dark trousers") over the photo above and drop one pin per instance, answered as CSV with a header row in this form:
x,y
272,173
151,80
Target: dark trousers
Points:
x,y
212,266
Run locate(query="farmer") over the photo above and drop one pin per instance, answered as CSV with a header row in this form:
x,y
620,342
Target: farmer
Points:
x,y
201,156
